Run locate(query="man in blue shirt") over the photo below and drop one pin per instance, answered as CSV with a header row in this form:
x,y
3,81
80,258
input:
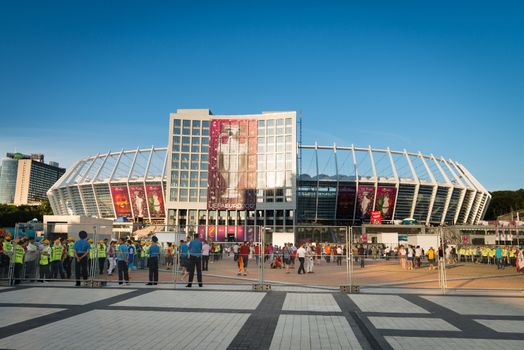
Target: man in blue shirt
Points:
x,y
154,254
81,249
498,257
122,256
195,260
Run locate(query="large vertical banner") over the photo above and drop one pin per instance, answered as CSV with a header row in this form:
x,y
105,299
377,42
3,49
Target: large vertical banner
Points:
x,y
232,164
221,233
345,202
138,200
121,201
250,234
366,195
155,201
385,202
240,234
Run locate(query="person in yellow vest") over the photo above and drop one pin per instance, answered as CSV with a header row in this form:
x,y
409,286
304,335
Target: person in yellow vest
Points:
x,y
91,255
56,259
19,252
101,256
431,258
143,255
68,258
7,253
492,252
43,263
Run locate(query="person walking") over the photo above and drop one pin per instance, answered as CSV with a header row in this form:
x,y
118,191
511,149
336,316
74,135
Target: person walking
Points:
x,y
154,255
122,256
301,253
81,249
111,256
195,261
243,257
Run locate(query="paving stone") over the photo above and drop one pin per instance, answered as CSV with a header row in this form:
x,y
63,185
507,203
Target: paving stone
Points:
x,y
410,343
313,332
495,306
197,299
504,326
385,304
412,323
103,329
11,315
65,296
310,302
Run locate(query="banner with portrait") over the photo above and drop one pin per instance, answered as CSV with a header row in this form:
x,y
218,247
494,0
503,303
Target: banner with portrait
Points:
x,y
385,202
138,200
155,201
232,164
365,198
121,201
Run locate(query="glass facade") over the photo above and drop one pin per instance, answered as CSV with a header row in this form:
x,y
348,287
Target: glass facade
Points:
x,y
8,173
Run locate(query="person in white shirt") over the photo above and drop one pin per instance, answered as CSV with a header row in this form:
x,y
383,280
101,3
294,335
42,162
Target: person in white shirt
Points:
x,y
206,248
418,255
309,259
301,253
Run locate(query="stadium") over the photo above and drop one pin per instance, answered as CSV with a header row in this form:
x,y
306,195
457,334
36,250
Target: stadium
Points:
x,y
222,176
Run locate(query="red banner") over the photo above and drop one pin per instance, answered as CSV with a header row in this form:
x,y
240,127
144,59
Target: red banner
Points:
x,y
212,233
138,201
366,196
121,201
250,236
221,233
386,201
376,217
240,234
232,164
155,201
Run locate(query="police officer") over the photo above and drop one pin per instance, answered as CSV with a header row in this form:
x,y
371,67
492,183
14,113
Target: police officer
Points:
x,y
81,249
154,254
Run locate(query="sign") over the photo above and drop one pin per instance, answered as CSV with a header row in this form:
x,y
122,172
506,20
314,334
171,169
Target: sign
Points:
x,y
376,217
121,201
402,238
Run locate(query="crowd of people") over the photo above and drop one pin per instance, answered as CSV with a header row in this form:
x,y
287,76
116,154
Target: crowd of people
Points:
x,y
27,259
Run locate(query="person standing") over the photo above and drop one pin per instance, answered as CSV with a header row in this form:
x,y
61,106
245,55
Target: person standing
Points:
x,y
154,255
102,253
340,253
431,258
122,257
81,249
111,256
19,252
195,261
44,261
69,258
310,253
206,248
57,252
184,259
301,253
30,260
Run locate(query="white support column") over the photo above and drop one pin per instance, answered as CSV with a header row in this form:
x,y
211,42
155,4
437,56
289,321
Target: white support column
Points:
x,y
435,188
356,183
450,189
318,182
417,185
164,194
145,189
460,185
93,187
338,182
469,186
397,181
374,175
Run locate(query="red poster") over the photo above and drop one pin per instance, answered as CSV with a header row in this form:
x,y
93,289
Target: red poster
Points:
x,y
221,233
345,202
138,201
232,149
376,217
386,201
212,233
202,232
121,201
155,201
366,195
240,234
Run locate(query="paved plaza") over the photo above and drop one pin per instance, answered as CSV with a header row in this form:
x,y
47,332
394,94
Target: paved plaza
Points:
x,y
58,316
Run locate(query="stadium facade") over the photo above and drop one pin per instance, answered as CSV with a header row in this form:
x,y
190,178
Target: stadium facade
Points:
x,y
222,176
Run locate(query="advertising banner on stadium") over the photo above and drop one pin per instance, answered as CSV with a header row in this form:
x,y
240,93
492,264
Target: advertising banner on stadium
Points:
x,y
138,201
121,201
232,164
385,202
221,233
250,234
212,233
202,232
376,217
345,202
366,196
240,234
155,201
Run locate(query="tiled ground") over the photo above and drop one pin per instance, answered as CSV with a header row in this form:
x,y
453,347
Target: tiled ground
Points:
x,y
220,317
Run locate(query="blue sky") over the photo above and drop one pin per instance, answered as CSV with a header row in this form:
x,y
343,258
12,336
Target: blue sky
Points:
x,y
441,77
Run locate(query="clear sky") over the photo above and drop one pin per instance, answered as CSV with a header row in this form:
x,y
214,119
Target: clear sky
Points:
x,y
443,77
